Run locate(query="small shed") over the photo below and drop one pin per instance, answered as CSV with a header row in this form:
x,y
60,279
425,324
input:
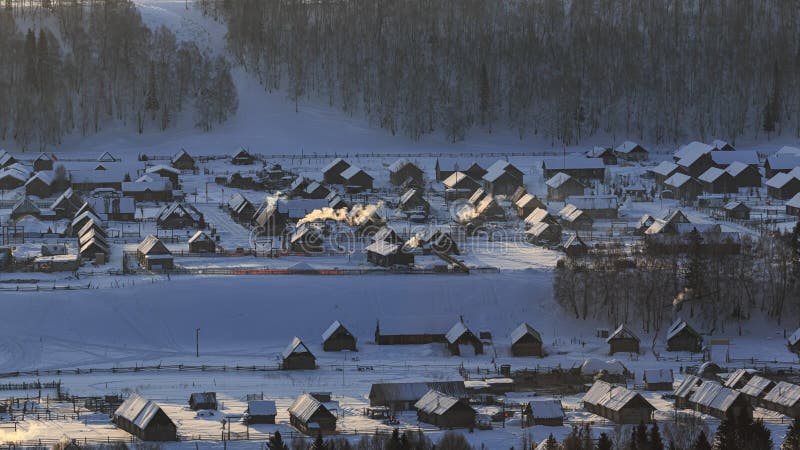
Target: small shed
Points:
x,y
332,173
739,377
546,412
526,341
200,242
203,400
43,162
402,396
337,338
736,210
757,388
542,233
183,160
444,411
242,158
461,339
527,204
631,151
658,379
356,179
260,412
402,169
561,185
623,340
311,417
145,420
685,389
681,337
618,404
297,356
385,254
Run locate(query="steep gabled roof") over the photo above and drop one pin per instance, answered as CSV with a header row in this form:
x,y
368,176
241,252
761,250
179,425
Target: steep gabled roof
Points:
x,y
523,330
622,332
296,346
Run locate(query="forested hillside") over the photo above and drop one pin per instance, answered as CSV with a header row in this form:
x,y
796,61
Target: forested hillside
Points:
x,y
662,71
71,66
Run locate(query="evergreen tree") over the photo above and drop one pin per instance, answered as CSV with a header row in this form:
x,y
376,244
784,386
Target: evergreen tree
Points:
x,y
319,444
551,443
276,442
792,439
604,442
656,443
726,437
641,438
701,442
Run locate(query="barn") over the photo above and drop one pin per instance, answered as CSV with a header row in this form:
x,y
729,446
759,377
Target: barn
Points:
x,y
575,218
658,379
297,356
543,233
694,158
260,412
311,417
183,160
407,337
402,396
402,170
623,340
716,400
42,162
316,190
561,185
781,162
337,338
596,206
40,184
153,254
332,173
203,400
145,420
474,171
526,341
617,404
744,175
461,341
717,181
631,151
502,178
682,187
545,412
459,185
356,179
200,242
148,188
242,158
681,337
783,186
444,411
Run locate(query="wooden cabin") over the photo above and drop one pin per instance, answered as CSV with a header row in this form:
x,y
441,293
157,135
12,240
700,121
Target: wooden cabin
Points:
x,y
260,412
444,411
311,417
736,210
527,204
203,400
685,390
682,187
503,178
183,160
356,179
306,239
623,340
526,341
297,356
717,181
332,173
631,151
585,170
784,398
180,215
154,255
164,171
662,172
145,420
605,154
411,337
681,337
461,339
403,395
744,175
240,208
242,158
386,254
560,186
658,379
42,162
716,400
543,233
67,204
784,186
617,404
402,170
40,184
756,389
337,338
546,412
200,242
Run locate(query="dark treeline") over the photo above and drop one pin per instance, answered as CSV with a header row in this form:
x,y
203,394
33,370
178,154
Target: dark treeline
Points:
x,y
718,290
656,70
86,63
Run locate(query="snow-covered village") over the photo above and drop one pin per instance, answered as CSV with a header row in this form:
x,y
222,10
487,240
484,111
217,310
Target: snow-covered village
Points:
x,y
215,233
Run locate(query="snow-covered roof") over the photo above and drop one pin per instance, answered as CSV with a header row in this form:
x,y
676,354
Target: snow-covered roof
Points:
x,y
538,215
713,395
622,332
151,243
333,164
557,180
546,408
591,366
725,158
572,163
677,180
15,171
597,152
571,213
261,408
784,394
719,144
200,236
538,228
677,326
664,168
527,199
795,337
305,407
137,410
159,185
757,386
627,147
785,161
413,391
352,171
383,248
692,151
711,175
162,168
456,331
736,167
180,154
780,180
787,150
454,179
730,206
435,402
594,201
332,329
687,386
610,396
522,330
295,346
45,176
658,376
180,210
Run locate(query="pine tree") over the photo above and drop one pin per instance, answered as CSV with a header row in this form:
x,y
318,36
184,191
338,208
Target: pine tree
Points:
x,y
604,443
319,444
756,436
642,441
701,442
656,443
276,442
792,439
726,437
551,443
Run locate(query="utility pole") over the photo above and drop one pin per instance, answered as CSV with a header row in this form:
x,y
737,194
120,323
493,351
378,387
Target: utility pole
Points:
x,y
197,342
